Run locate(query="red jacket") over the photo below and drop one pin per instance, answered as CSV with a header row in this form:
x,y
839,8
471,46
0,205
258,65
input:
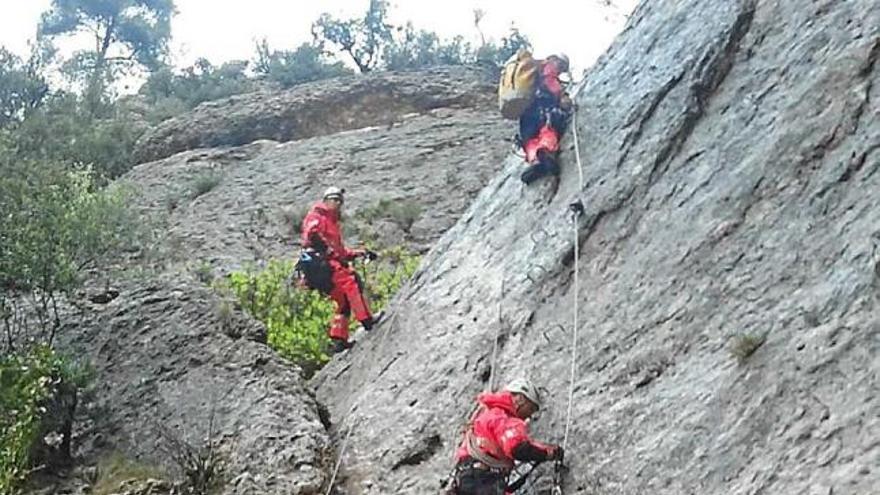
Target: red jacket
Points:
x,y
323,223
498,428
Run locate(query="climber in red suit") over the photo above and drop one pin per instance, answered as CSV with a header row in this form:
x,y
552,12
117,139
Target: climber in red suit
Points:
x,y
496,436
544,121
321,232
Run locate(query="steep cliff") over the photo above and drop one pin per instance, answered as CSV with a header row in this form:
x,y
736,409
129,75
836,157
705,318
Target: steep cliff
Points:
x,y
730,153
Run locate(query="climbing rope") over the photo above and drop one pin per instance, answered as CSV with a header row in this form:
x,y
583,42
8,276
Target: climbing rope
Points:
x,y
577,147
490,386
574,134
341,453
577,209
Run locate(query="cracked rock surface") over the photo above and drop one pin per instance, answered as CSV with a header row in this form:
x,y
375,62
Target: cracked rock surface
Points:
x,y
731,189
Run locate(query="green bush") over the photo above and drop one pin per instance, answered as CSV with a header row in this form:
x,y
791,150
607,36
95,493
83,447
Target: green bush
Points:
x,y
402,212
385,278
56,224
62,130
304,64
204,183
744,345
116,469
26,381
171,92
296,319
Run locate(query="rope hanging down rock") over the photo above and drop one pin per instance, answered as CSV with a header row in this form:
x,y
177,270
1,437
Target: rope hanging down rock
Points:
x,y
574,134
490,385
341,453
577,209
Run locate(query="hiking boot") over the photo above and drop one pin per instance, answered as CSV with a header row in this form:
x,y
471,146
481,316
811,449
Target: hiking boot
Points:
x,y
548,163
339,345
374,320
530,174
552,167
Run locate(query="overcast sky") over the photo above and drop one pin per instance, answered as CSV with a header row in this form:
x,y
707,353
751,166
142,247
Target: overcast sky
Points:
x,y
222,30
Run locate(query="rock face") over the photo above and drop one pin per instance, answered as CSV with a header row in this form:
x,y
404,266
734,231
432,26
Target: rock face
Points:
x,y
319,109
169,354
731,189
170,364
439,161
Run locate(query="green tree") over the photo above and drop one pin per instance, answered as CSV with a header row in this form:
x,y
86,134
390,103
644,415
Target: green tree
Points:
x,y
363,40
288,68
62,130
127,33
22,87
170,92
56,224
498,53
415,49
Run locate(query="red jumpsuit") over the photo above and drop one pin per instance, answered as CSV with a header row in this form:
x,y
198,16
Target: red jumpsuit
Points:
x,y
499,432
321,227
549,95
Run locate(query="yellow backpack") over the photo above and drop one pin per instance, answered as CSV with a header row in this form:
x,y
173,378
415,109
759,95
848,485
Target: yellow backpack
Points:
x,y
517,86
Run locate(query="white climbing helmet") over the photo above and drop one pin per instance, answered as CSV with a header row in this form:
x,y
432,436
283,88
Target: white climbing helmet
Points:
x,y
525,387
333,192
564,59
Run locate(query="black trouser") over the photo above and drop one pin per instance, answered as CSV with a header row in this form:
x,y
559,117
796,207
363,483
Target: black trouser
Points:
x,y
473,481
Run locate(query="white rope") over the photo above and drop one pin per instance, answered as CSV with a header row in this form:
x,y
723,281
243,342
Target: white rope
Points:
x,y
577,147
574,133
341,453
574,337
491,384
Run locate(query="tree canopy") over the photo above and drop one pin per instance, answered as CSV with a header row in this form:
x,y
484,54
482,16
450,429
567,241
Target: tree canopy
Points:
x,y
127,33
362,39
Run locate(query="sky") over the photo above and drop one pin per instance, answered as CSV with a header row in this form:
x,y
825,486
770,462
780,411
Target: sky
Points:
x,y
222,30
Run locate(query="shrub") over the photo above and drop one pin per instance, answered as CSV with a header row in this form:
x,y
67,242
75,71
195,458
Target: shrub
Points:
x,y
171,92
204,183
744,345
27,381
396,267
63,131
296,319
402,212
201,463
56,224
116,469
226,315
204,272
304,64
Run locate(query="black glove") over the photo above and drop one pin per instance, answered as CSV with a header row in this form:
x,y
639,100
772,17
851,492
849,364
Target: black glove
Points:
x,y
370,255
557,454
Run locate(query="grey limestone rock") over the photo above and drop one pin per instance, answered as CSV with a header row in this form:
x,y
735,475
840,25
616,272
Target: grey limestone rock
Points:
x,y
730,156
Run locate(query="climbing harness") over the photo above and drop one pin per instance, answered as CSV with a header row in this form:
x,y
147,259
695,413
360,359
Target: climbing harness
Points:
x,y
521,481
